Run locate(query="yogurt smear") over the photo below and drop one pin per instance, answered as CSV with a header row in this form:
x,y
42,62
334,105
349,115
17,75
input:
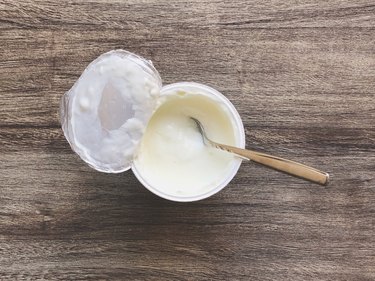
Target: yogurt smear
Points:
x,y
106,112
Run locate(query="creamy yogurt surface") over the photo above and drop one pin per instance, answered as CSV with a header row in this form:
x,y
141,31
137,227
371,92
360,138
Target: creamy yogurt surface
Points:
x,y
172,158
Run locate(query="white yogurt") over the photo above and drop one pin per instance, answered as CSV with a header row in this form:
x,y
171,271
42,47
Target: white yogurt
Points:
x,y
172,160
106,119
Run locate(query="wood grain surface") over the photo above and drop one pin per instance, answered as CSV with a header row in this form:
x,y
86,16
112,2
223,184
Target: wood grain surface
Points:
x,y
302,76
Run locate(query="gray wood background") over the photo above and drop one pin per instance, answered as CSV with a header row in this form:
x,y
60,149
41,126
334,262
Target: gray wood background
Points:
x,y
302,76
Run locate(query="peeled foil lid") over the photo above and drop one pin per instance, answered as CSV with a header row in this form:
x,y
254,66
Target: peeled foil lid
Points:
x,y
105,113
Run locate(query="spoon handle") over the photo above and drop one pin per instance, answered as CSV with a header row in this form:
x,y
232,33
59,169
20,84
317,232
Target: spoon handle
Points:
x,y
280,164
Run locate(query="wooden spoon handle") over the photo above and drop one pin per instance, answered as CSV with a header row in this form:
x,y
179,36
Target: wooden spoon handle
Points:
x,y
280,164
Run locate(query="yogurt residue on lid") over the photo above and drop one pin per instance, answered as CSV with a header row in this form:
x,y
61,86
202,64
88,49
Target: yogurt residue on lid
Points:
x,y
107,110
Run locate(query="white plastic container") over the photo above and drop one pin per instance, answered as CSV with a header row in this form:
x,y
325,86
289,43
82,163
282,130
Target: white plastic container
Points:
x,y
90,120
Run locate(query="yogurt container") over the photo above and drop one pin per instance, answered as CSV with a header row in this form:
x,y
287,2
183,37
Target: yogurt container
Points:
x,y
117,116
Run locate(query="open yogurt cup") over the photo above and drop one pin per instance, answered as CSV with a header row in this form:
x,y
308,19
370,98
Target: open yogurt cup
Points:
x,y
118,116
172,161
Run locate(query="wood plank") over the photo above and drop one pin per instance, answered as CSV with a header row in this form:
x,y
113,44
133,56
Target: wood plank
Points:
x,y
301,75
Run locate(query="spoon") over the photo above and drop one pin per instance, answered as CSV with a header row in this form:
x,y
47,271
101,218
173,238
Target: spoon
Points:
x,y
277,163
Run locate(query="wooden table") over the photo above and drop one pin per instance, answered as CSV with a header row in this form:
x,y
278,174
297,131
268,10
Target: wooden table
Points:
x,y
302,76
